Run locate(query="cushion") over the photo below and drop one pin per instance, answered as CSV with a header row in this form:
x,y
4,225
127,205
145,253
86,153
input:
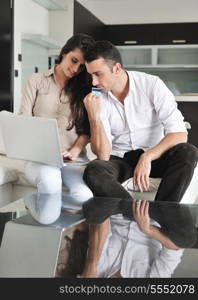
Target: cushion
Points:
x,y
7,175
18,166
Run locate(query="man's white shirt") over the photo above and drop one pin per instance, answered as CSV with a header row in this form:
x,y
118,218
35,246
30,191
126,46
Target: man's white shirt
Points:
x,y
149,112
134,253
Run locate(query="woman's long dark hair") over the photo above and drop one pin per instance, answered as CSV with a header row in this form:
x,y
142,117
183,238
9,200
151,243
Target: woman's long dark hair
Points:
x,y
78,86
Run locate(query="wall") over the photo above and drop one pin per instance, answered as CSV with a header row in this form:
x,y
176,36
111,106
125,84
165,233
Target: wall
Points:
x,y
32,18
61,23
29,17
86,22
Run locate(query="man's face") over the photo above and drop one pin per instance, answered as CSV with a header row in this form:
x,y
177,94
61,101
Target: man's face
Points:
x,y
102,75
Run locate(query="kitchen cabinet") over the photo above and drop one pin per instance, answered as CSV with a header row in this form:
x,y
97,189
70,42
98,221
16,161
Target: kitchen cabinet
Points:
x,y
143,34
176,65
152,34
177,33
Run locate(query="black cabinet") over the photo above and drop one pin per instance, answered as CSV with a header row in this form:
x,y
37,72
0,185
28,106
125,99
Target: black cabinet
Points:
x,y
131,34
190,113
152,34
177,33
6,55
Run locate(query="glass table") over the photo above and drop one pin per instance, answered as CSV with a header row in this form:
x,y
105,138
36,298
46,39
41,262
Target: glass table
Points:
x,y
30,249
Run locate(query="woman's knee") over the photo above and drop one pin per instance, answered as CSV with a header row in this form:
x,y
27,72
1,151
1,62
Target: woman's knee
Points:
x,y
73,180
46,178
81,193
50,181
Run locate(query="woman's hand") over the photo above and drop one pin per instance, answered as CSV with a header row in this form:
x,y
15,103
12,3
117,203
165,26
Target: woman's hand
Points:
x,y
70,155
141,215
67,155
76,149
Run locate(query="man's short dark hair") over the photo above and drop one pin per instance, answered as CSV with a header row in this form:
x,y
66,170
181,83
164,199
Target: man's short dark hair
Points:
x,y
103,49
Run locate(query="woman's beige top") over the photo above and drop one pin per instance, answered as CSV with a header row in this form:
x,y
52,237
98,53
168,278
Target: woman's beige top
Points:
x,y
42,97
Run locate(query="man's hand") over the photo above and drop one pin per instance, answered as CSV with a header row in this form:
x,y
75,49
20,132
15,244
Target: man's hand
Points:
x,y
142,173
141,215
92,105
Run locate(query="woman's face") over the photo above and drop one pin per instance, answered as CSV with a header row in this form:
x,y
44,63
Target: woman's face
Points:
x,y
72,63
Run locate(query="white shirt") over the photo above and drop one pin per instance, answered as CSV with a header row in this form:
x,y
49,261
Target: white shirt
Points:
x,y
134,253
149,112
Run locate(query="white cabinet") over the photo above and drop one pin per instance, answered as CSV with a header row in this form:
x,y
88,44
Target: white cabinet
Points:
x,y
171,56
176,65
133,56
183,56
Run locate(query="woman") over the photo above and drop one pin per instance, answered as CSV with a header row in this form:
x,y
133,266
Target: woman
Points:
x,y
58,93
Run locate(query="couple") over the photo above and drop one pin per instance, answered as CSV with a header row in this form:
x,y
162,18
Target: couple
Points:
x,y
135,129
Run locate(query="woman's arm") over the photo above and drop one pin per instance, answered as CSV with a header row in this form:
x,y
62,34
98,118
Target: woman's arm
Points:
x,y
29,96
77,147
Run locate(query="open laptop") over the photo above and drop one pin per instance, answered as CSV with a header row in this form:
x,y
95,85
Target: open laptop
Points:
x,y
33,139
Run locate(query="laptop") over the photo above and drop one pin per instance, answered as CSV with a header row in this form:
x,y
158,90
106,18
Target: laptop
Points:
x,y
33,139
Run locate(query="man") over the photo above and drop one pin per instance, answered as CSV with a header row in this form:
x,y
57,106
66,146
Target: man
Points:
x,y
136,131
137,249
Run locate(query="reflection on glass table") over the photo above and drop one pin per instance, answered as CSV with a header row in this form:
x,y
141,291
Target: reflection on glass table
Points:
x,y
178,221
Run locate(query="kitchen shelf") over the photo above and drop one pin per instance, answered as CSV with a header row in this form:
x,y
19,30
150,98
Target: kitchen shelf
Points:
x,y
42,40
161,56
176,65
164,67
53,4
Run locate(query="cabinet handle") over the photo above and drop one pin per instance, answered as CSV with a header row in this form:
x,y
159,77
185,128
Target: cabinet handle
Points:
x,y
178,41
130,42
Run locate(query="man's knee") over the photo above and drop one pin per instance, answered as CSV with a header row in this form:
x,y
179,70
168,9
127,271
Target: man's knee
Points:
x,y
94,169
187,152
96,172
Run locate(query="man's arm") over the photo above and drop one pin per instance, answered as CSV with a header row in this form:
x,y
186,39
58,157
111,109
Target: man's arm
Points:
x,y
100,144
168,258
174,131
97,237
143,168
141,216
